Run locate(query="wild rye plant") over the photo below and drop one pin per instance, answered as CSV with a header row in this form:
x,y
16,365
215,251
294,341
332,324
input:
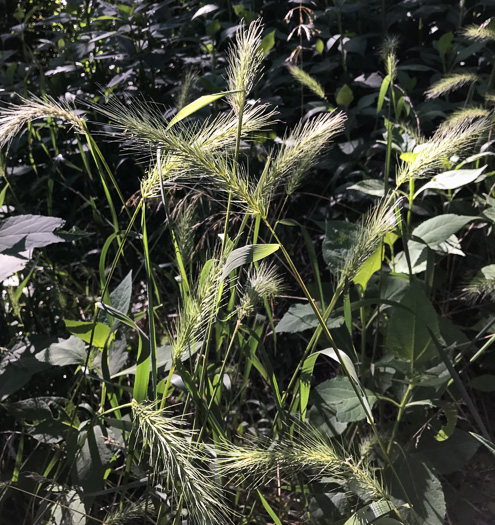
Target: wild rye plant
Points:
x,y
180,449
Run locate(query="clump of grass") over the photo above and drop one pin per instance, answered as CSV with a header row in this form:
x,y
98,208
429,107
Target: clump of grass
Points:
x,y
307,80
179,465
447,141
15,116
450,83
189,153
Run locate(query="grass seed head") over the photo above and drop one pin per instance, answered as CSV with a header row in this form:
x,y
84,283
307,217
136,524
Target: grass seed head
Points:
x,y
482,287
376,224
435,153
179,464
263,283
480,33
450,83
244,63
298,154
15,116
388,53
307,80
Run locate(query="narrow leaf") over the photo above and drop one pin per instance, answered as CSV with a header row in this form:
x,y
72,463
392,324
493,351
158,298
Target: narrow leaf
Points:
x,y
247,254
383,91
268,509
199,103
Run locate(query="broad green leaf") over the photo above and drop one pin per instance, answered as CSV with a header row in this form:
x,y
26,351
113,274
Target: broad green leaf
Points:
x,y
408,156
10,264
121,295
332,354
338,397
301,317
246,14
373,187
368,268
444,43
370,513
213,28
483,383
408,335
448,428
450,180
15,374
92,456
418,254
267,42
450,455
83,330
320,46
71,351
307,373
423,488
326,507
69,508
199,103
20,235
143,359
246,255
339,240
36,408
439,229
344,96
383,92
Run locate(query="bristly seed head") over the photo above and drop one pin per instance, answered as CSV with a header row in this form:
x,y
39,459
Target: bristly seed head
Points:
x,y
376,224
450,83
436,152
263,283
179,464
244,62
15,116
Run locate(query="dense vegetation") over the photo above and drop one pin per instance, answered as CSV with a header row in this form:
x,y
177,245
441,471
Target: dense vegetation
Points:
x,y
208,314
